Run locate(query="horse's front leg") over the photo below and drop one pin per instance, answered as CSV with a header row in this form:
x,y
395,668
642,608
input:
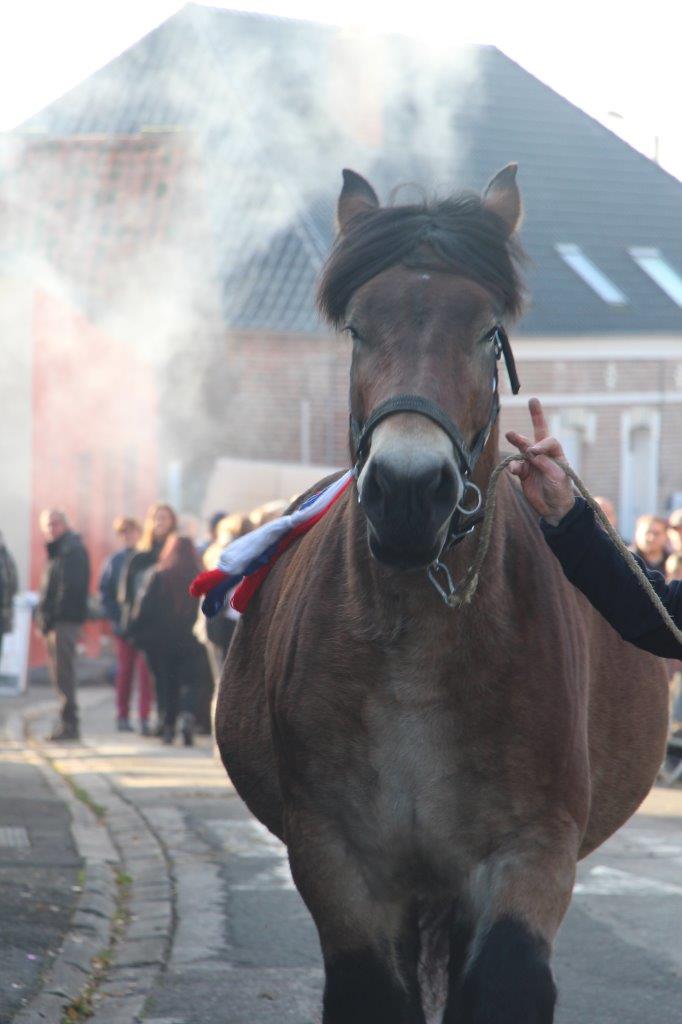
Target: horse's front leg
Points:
x,y
369,940
520,896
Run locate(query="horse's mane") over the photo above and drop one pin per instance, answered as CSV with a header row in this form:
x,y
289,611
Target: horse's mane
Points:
x,y
459,235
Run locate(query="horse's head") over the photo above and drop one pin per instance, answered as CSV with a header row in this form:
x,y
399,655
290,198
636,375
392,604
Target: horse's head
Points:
x,y
421,290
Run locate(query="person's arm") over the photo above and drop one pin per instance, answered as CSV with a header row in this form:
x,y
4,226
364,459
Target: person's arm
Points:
x,y
588,556
591,561
13,577
107,590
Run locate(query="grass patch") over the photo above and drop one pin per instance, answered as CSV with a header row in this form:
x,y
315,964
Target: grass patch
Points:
x,y
80,1009
81,794
85,798
122,916
83,1006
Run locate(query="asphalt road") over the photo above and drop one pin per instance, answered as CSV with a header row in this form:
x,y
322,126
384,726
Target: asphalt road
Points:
x,y
245,950
618,958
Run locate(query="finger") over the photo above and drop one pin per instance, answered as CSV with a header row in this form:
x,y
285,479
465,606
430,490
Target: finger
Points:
x,y
548,467
519,469
518,440
537,415
550,447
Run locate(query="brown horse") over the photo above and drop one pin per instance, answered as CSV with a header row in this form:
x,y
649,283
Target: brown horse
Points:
x,y
435,772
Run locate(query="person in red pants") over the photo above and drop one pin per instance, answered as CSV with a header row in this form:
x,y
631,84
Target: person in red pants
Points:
x,y
128,656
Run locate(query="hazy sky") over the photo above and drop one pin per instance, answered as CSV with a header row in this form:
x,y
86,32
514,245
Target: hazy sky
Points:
x,y
604,55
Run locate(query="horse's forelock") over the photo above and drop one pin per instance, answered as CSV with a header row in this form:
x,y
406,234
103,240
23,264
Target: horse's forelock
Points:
x,y
458,235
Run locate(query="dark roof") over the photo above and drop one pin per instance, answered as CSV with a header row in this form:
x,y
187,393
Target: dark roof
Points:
x,y
279,106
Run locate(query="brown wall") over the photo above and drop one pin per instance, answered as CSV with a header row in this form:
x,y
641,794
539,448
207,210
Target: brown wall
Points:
x,y
272,375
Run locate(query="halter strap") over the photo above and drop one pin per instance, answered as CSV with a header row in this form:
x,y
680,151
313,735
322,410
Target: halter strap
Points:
x,y
460,523
411,403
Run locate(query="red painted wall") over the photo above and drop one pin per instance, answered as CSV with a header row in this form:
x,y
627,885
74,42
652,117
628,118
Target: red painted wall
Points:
x,y
94,447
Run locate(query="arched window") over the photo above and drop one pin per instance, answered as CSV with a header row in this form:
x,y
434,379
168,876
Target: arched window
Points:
x,y
575,428
640,435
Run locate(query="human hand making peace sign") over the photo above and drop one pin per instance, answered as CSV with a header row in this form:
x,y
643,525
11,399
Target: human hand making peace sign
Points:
x,y
546,486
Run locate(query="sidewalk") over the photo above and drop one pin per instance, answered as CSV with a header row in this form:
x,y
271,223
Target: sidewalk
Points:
x,y
41,867
91,816
40,875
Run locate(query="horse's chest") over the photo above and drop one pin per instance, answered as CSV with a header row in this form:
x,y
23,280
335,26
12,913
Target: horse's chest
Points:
x,y
414,754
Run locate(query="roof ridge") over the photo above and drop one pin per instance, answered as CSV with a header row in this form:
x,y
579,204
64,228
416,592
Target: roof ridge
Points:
x,y
590,117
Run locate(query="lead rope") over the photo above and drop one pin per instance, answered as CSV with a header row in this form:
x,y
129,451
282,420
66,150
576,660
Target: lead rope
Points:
x,y
457,595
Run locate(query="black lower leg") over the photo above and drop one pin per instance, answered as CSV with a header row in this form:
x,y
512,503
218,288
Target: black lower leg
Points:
x,y
361,988
510,981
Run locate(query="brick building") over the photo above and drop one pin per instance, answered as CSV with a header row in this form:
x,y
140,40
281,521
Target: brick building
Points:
x,y
274,108
90,344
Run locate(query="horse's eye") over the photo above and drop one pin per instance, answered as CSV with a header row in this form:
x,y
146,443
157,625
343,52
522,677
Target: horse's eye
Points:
x,y
349,329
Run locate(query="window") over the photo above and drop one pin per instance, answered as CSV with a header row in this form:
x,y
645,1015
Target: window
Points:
x,y
576,259
575,429
640,434
653,264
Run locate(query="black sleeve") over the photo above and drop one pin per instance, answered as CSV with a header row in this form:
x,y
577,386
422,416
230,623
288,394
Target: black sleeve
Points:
x,y
592,562
13,576
107,588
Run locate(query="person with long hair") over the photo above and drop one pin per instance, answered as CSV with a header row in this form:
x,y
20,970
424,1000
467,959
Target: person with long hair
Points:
x,y
162,620
160,523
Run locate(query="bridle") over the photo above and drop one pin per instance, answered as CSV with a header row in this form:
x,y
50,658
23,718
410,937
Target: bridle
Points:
x,y
468,513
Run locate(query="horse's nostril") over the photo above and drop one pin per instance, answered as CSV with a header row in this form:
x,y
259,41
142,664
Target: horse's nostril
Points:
x,y
445,489
426,492
376,488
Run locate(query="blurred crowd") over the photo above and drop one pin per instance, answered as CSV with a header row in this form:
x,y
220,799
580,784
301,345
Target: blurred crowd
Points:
x,y
164,647
658,542
162,641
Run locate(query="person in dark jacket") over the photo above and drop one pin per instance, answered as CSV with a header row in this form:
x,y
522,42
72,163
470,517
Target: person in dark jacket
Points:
x,y
163,621
9,582
160,523
62,609
588,556
128,657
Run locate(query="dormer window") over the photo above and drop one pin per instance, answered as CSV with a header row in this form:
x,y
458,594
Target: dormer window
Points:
x,y
660,272
590,273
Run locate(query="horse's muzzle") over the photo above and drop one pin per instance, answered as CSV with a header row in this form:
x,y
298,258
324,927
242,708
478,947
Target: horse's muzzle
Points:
x,y
408,508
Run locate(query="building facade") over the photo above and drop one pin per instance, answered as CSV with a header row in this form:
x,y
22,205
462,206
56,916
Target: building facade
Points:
x,y
246,121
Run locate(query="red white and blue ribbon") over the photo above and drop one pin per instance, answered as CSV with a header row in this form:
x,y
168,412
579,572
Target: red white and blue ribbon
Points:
x,y
247,561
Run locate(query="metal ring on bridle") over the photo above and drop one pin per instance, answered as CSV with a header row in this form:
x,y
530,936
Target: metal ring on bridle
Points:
x,y
468,487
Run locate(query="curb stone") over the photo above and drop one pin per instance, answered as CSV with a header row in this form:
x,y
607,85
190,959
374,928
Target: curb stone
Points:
x,y
125,913
90,931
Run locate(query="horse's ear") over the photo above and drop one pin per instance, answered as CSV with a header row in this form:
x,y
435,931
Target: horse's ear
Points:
x,y
357,196
502,196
